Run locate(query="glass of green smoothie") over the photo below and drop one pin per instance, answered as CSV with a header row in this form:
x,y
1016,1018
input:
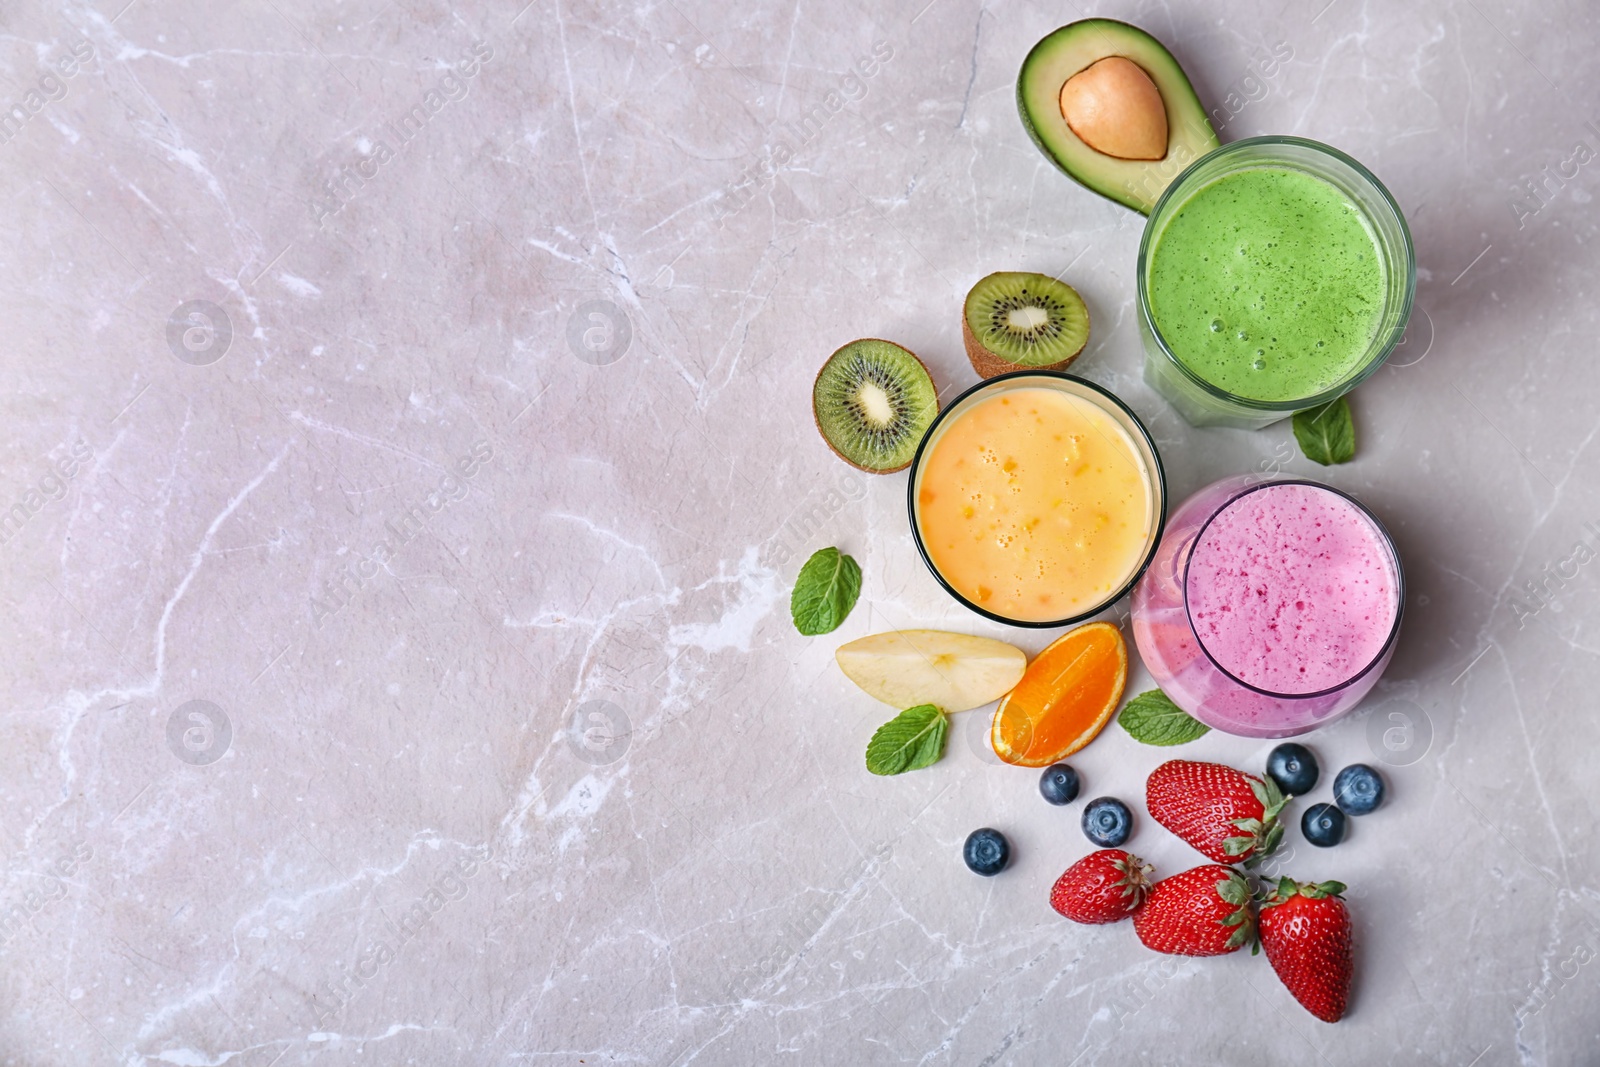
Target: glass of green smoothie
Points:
x,y
1275,274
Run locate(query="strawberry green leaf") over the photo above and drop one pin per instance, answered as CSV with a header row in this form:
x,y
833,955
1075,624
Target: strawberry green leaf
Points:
x,y
1274,809
1238,846
1233,890
1258,788
1268,793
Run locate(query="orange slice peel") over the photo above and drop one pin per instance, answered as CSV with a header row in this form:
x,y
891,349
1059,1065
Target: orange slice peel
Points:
x,y
1065,698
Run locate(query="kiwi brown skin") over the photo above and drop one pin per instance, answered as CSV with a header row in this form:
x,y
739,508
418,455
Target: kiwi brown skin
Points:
x,y
990,365
818,423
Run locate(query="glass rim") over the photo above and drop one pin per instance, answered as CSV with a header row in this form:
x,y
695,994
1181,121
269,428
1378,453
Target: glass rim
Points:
x,y
1399,589
1374,359
1157,480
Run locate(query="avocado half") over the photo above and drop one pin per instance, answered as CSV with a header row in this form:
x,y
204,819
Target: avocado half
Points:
x,y
1074,48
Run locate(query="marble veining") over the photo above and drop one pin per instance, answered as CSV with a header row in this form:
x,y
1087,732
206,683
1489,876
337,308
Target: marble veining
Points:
x,y
408,457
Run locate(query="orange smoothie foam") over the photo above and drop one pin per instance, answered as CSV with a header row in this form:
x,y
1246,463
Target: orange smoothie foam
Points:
x,y
1034,504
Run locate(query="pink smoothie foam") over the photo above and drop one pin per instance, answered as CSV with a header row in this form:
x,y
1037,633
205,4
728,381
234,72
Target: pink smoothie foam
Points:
x,y
1292,589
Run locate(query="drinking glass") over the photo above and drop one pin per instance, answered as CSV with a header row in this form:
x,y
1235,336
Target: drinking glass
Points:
x,y
1203,403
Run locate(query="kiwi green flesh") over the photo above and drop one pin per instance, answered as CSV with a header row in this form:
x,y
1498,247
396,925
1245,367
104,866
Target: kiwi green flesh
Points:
x,y
1031,320
873,402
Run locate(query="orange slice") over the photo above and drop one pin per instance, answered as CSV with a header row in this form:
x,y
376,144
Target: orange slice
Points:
x,y
1066,697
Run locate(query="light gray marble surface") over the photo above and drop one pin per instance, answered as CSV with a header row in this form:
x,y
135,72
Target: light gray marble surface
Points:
x,y
527,371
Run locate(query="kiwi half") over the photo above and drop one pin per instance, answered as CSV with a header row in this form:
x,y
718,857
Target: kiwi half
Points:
x,y
873,401
1015,320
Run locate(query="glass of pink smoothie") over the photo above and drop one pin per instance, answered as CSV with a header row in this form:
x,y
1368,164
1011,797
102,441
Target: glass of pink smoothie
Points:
x,y
1272,605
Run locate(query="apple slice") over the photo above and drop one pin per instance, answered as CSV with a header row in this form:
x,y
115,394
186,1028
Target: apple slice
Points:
x,y
954,672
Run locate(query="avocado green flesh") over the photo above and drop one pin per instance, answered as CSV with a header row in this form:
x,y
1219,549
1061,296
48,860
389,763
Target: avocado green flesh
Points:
x,y
1072,48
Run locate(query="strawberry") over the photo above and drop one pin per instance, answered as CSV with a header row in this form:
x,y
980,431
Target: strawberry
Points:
x,y
1201,912
1230,816
1103,887
1305,929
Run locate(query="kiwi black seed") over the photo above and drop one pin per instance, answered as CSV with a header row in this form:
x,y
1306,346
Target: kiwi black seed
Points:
x,y
873,401
1015,320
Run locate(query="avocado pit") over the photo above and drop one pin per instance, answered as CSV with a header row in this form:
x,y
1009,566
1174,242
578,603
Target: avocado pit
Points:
x,y
1114,108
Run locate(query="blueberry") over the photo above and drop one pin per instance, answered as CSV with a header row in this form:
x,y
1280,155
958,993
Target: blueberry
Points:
x,y
1294,768
1323,825
1358,789
986,851
1107,822
1059,784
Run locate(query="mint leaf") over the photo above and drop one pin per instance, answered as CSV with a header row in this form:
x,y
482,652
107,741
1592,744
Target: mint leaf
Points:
x,y
1327,434
910,741
1153,718
824,592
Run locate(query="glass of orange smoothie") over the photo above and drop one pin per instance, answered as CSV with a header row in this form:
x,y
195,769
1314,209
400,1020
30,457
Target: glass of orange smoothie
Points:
x,y
1037,498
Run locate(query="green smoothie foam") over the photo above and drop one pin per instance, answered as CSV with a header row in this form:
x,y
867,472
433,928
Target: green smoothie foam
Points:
x,y
1268,283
